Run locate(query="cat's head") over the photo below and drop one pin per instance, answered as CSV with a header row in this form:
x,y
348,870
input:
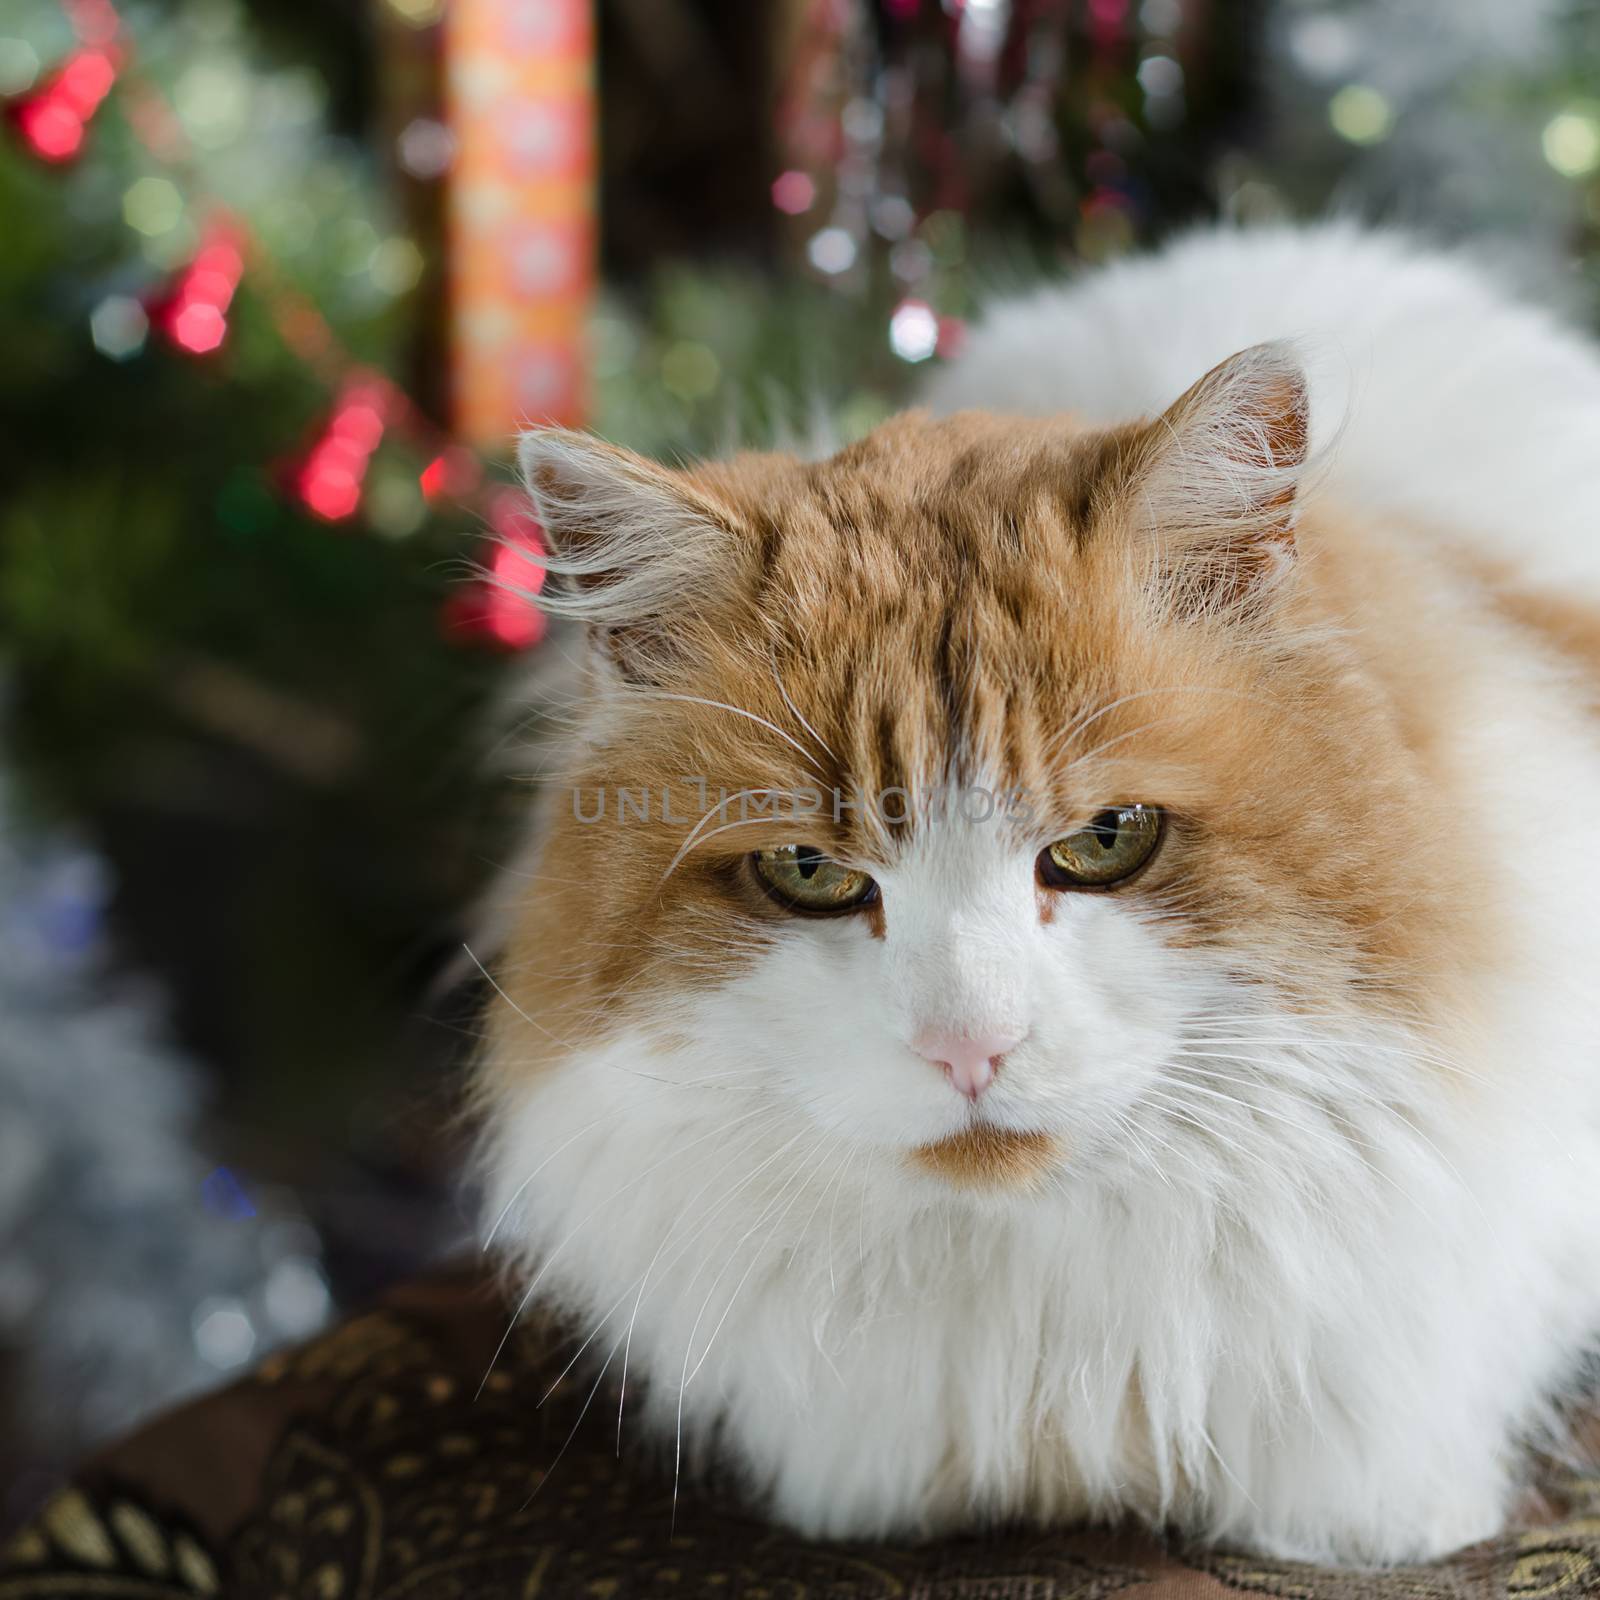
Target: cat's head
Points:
x,y
943,793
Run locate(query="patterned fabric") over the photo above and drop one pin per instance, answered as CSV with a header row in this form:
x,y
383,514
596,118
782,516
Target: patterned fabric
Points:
x,y
379,1462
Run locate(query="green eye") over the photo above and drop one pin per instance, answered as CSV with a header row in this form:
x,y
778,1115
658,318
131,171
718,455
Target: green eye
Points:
x,y
804,879
1114,846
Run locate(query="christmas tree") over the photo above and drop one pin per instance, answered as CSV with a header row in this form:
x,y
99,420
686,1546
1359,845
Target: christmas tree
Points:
x,y
236,560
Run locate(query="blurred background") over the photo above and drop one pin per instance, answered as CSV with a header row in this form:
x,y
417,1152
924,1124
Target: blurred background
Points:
x,y
278,281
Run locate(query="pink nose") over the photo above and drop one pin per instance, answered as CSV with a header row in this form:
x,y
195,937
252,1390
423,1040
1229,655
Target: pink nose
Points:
x,y
969,1062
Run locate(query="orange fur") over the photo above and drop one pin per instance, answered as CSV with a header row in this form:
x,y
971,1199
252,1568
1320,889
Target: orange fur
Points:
x,y
990,1158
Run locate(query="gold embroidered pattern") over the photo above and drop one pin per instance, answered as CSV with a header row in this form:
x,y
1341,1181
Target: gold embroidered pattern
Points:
x,y
395,1477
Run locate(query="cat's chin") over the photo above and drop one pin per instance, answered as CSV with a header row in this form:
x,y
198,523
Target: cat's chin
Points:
x,y
989,1159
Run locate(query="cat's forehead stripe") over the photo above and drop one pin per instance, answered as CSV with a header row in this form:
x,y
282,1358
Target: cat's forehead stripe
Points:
x,y
913,592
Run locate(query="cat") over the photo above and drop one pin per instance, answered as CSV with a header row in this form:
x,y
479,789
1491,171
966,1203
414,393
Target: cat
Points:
x,y
1059,977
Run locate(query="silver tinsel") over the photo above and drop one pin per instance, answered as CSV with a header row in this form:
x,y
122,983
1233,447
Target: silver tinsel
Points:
x,y
133,1269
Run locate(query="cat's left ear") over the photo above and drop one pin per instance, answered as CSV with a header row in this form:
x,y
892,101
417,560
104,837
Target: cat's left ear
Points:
x,y
1216,487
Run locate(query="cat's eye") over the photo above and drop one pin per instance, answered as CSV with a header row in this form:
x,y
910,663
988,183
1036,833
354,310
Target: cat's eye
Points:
x,y
804,879
1113,846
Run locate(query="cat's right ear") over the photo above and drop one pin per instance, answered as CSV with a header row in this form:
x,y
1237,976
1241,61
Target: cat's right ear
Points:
x,y
1215,482
631,544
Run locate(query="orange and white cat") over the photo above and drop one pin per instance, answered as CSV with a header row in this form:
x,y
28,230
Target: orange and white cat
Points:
x,y
1060,976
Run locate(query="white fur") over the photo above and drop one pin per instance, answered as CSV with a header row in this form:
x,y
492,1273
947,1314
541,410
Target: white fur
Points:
x,y
1312,1302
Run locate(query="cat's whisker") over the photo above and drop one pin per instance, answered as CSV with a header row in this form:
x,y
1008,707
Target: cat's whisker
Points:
x,y
1365,1096
862,1214
594,1389
753,1136
1127,1129
800,717
1078,726
1122,738
1323,1132
738,711
750,1177
683,1382
1375,1046
802,1181
522,1188
698,1234
595,1015
695,837
1324,1135
841,1141
1218,1136
577,1355
633,1183
495,985
833,1208
758,1073
1194,1117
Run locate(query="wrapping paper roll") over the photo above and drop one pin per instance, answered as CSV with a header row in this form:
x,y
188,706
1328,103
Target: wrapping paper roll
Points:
x,y
520,98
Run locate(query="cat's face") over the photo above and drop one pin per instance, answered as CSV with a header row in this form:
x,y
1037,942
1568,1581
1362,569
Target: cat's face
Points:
x,y
948,792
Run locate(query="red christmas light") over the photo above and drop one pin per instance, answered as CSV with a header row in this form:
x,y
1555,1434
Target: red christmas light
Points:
x,y
433,478
52,130
330,478
85,80
518,574
195,315
499,609
452,474
52,122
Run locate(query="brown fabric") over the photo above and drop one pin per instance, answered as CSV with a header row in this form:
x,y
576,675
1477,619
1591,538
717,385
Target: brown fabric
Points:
x,y
368,1466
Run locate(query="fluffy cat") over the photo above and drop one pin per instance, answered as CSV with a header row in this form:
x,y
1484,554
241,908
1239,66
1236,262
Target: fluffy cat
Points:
x,y
1060,976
